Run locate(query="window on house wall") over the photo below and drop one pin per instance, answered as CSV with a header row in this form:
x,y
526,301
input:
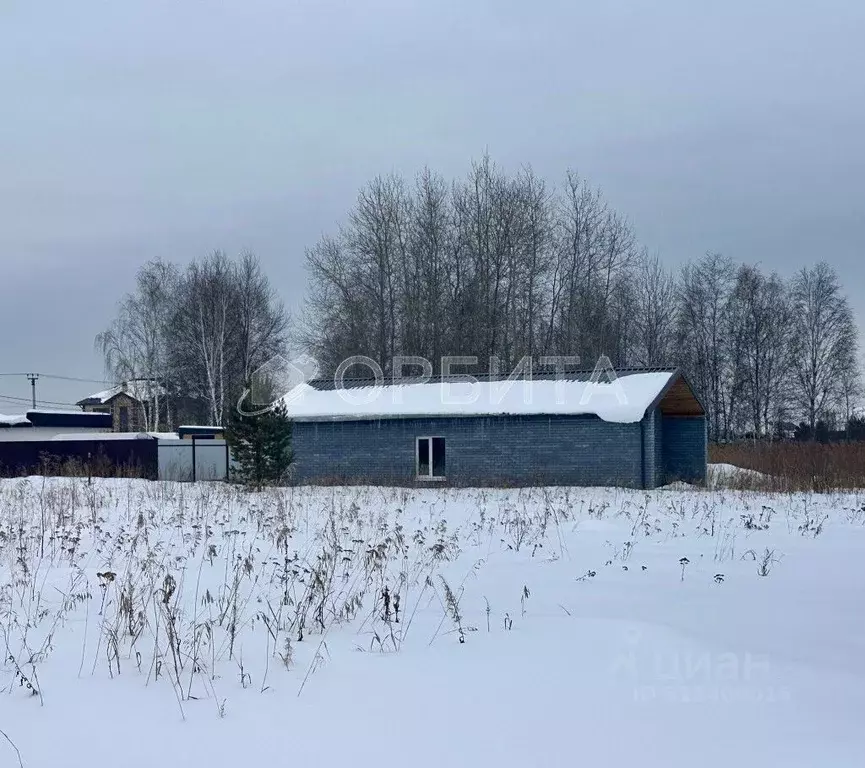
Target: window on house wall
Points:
x,y
124,418
431,458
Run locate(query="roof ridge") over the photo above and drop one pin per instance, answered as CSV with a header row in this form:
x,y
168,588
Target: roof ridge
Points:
x,y
544,374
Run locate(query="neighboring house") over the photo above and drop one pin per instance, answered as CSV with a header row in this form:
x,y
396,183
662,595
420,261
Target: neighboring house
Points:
x,y
644,430
128,404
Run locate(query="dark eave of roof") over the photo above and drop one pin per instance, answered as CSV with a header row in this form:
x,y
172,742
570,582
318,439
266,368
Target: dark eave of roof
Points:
x,y
39,418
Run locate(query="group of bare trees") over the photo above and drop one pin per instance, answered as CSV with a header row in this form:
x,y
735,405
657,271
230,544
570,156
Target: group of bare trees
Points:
x,y
190,338
506,266
763,351
496,266
489,266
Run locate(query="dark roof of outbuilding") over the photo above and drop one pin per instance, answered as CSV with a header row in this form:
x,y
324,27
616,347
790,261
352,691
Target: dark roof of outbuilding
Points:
x,y
78,419
199,429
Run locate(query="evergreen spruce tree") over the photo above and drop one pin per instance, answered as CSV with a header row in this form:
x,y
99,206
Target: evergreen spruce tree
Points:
x,y
261,446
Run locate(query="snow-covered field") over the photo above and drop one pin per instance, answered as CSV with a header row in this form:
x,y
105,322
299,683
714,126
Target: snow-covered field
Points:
x,y
536,627
731,476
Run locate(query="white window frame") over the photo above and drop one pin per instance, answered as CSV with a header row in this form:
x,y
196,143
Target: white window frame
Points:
x,y
430,478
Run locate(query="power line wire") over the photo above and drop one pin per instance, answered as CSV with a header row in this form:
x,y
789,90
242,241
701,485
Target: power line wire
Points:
x,y
62,378
75,378
12,399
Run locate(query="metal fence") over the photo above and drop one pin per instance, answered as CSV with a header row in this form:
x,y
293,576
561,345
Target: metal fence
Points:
x,y
135,456
193,459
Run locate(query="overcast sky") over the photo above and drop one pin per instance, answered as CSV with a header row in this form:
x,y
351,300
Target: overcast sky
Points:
x,y
144,128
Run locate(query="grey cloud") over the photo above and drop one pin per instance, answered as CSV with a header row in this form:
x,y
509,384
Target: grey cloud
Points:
x,y
170,128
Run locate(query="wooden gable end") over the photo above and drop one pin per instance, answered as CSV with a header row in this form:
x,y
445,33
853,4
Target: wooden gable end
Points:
x,y
680,400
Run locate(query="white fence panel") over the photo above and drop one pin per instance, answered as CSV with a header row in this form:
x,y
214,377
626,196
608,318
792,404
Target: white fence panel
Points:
x,y
188,460
211,460
174,459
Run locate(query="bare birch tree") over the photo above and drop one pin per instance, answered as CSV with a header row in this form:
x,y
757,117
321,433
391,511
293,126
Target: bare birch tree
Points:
x,y
824,342
134,346
704,291
654,313
760,319
191,339
200,331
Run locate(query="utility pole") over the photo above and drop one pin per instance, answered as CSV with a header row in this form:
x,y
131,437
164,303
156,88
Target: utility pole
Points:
x,y
33,377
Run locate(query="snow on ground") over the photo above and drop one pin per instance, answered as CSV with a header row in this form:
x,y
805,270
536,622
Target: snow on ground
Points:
x,y
537,627
729,474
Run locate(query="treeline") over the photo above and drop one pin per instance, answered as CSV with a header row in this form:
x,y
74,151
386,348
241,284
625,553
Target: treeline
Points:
x,y
763,351
189,338
507,265
496,265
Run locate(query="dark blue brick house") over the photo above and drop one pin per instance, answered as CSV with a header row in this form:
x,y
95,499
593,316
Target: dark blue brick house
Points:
x,y
643,430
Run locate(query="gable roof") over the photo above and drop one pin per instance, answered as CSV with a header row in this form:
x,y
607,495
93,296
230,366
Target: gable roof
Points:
x,y
137,389
625,400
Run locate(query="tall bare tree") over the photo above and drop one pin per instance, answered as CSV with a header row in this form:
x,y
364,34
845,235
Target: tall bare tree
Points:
x,y
377,238
134,347
654,313
760,322
824,341
194,337
428,295
201,329
850,395
704,293
261,325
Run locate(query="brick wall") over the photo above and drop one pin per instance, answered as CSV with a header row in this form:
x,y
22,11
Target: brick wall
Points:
x,y
652,449
566,450
684,448
133,410
521,450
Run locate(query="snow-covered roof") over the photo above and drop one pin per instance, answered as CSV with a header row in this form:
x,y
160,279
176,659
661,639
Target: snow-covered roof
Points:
x,y
100,436
624,400
101,397
138,389
19,420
